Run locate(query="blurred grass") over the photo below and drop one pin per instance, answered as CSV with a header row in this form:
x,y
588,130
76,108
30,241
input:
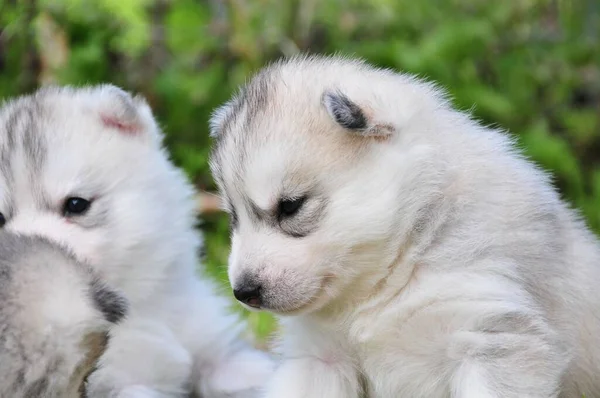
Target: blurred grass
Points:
x,y
532,66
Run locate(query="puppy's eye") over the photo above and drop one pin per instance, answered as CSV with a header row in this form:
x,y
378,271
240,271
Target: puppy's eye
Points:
x,y
2,220
76,206
289,207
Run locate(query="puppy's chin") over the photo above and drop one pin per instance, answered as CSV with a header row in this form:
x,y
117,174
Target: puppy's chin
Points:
x,y
278,310
311,303
252,309
294,311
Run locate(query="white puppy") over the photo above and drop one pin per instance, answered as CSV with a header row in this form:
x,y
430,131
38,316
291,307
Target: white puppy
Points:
x,y
55,317
86,168
412,251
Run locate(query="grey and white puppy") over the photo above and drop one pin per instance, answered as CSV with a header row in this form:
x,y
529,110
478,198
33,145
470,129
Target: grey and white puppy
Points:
x,y
87,168
410,250
55,317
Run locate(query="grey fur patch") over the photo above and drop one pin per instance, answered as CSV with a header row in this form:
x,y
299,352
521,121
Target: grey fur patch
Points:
x,y
22,129
19,381
111,304
33,363
32,138
12,121
512,322
10,124
257,95
38,388
233,220
250,101
244,109
21,124
5,275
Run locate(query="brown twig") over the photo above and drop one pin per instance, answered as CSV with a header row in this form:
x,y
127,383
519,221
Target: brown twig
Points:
x,y
208,203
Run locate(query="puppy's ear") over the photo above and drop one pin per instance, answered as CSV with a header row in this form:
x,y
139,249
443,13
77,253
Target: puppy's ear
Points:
x,y
220,116
124,113
352,117
111,303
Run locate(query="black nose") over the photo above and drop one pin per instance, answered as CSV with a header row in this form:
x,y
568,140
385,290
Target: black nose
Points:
x,y
248,294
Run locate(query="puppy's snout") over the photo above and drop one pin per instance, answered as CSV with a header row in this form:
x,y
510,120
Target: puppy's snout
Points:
x,y
249,293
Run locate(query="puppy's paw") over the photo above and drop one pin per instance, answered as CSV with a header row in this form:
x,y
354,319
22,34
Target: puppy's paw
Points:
x,y
242,375
138,391
143,360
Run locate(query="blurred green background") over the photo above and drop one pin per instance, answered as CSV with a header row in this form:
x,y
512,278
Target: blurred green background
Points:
x,y
531,66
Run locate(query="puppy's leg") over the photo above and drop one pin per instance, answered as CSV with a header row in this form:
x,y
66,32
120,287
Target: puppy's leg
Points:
x,y
193,343
507,364
311,377
474,380
139,391
143,360
224,364
316,364
242,374
490,341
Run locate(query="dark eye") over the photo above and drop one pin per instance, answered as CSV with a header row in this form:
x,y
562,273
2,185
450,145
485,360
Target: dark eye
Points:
x,y
76,206
289,207
2,220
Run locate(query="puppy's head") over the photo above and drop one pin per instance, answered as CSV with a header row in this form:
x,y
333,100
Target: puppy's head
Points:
x,y
55,317
85,167
323,170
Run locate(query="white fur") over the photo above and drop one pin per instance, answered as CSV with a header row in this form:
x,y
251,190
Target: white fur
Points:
x,y
138,235
443,263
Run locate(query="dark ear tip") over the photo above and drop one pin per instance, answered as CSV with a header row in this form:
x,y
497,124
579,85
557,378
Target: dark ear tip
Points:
x,y
113,305
329,96
344,112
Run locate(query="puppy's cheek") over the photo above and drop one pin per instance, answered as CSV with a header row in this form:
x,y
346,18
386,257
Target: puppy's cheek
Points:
x,y
85,245
87,249
294,286
293,295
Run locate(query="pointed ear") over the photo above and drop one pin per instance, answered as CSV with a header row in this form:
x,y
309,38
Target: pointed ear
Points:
x,y
220,117
128,115
352,117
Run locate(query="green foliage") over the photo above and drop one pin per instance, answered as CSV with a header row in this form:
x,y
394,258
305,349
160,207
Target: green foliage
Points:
x,y
530,66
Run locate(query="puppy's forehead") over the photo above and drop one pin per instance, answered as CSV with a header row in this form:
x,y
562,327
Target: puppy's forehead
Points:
x,y
277,125
53,143
30,124
284,160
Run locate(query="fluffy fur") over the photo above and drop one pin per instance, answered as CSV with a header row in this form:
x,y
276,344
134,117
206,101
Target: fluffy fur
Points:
x,y
101,145
55,317
410,251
